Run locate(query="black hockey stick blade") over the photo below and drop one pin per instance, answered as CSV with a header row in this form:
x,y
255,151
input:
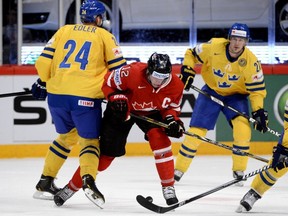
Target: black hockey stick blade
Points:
x,y
150,205
161,209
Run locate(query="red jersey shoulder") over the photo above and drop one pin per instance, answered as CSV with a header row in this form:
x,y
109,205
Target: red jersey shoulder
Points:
x,y
176,83
132,75
134,71
137,66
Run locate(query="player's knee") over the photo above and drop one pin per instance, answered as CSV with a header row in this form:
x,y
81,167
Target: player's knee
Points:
x,y
193,142
69,139
241,129
158,139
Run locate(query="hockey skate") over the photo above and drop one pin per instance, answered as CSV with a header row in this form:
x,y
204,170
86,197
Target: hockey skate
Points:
x,y
63,195
169,195
248,201
178,175
45,188
91,191
238,175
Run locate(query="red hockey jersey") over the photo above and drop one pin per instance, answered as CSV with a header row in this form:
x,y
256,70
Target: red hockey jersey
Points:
x,y
132,81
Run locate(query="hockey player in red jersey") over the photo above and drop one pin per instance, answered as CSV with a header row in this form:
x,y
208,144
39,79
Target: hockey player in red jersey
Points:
x,y
148,89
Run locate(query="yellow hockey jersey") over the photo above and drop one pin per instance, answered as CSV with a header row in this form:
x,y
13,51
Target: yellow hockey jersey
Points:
x,y
228,77
76,59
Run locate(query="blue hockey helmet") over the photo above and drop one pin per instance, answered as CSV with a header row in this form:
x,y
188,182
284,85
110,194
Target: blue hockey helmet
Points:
x,y
90,9
239,30
159,63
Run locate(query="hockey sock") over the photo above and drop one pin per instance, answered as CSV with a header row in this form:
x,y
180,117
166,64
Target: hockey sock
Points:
x,y
58,152
165,166
266,179
89,156
54,159
188,149
161,147
104,162
76,182
242,136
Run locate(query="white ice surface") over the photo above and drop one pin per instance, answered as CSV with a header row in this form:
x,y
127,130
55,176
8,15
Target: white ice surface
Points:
x,y
129,176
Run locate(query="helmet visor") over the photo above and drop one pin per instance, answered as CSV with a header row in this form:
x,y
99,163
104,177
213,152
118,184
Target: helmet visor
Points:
x,y
157,79
160,75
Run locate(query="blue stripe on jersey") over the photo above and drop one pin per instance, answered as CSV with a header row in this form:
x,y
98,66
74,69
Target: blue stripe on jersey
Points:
x,y
49,49
254,84
116,67
47,55
256,89
194,53
115,60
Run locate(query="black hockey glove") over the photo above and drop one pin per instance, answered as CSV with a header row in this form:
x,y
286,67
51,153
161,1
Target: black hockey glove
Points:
x,y
187,76
119,104
280,157
261,116
175,128
38,90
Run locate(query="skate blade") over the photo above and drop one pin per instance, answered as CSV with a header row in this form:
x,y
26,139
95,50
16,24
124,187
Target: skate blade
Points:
x,y
98,201
42,195
241,209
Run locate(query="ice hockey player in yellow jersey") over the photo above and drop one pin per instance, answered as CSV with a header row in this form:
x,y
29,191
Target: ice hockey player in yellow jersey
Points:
x,y
232,73
72,67
265,180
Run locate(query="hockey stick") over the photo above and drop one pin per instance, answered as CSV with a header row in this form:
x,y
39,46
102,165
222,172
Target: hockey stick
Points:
x,y
216,100
25,92
161,124
146,203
